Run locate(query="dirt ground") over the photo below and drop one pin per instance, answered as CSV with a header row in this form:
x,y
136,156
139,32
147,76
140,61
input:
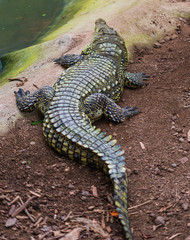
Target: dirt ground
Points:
x,y
158,163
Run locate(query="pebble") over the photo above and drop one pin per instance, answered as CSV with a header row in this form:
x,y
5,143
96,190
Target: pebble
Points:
x,y
188,225
181,140
170,170
46,229
159,220
32,143
174,118
157,171
71,186
85,193
185,206
157,45
188,238
174,165
63,217
83,198
10,222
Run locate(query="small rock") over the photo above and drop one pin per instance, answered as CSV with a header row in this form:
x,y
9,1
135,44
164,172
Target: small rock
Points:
x,y
157,171
71,186
174,118
142,145
170,170
181,140
46,229
10,222
83,198
183,160
114,134
185,206
188,225
32,143
67,169
159,220
174,165
85,193
188,238
157,45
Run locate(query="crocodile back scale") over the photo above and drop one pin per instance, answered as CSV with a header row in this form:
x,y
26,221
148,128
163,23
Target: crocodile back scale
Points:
x,y
88,89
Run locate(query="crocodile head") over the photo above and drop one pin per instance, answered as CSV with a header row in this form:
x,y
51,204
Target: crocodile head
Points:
x,y
101,28
107,41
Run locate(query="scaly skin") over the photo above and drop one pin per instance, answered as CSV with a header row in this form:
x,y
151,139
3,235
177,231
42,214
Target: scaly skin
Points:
x,y
81,95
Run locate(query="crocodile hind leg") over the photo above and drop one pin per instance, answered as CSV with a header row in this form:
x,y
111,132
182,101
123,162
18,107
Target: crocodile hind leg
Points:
x,y
27,102
68,60
135,80
97,104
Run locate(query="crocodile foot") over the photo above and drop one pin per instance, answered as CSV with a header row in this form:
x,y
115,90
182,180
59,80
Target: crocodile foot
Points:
x,y
130,111
135,80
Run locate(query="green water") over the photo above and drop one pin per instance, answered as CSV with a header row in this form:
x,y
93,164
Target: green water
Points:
x,y
22,22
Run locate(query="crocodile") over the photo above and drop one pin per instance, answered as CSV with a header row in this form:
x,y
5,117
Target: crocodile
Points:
x,y
89,88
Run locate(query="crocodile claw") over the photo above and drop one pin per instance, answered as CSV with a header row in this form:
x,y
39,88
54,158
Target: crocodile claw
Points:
x,y
130,111
144,76
21,93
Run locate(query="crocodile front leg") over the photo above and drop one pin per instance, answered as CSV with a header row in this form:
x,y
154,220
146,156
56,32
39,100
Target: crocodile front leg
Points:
x,y
68,60
135,80
27,102
97,104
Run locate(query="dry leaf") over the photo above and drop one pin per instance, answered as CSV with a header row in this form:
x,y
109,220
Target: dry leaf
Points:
x,y
73,235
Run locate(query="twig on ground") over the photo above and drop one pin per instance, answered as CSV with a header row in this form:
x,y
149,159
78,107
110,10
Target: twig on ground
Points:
x,y
14,200
139,205
175,235
35,194
41,236
26,211
38,222
21,79
21,208
68,215
35,86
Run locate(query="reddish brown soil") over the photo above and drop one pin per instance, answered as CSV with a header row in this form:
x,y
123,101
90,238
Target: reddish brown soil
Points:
x,y
159,175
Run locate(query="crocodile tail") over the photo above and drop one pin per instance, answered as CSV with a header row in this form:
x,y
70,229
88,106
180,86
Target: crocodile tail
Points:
x,y
120,197
117,172
67,131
